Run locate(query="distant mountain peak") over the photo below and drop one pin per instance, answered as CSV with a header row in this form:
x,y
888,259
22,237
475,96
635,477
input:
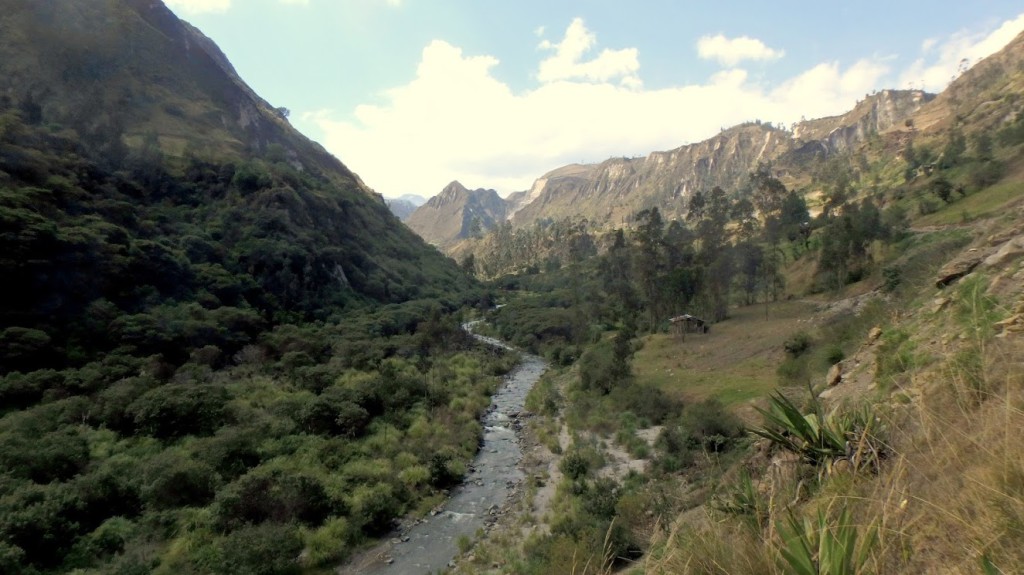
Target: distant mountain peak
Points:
x,y
456,212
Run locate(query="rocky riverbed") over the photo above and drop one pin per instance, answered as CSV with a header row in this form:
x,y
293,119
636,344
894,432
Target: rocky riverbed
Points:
x,y
431,544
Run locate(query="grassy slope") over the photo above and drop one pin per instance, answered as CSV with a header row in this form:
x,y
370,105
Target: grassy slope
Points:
x,y
735,362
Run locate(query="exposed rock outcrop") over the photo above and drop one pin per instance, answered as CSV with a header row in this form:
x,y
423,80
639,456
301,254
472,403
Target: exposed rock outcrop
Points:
x,y
959,267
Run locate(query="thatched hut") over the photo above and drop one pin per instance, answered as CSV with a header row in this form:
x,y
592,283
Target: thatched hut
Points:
x,y
686,323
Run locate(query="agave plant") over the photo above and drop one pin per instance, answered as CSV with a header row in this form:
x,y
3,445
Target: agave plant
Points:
x,y
809,435
820,439
821,547
743,500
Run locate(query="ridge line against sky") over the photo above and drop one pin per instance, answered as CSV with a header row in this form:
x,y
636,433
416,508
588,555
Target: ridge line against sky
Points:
x,y
412,94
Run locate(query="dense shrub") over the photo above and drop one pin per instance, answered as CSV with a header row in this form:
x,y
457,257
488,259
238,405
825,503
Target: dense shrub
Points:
x,y
710,426
267,549
606,365
54,456
173,480
798,344
232,451
171,411
646,401
273,495
374,508
40,521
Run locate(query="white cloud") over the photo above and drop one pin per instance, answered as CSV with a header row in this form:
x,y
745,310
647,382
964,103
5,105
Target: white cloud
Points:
x,y
941,60
456,120
732,51
827,89
199,6
567,61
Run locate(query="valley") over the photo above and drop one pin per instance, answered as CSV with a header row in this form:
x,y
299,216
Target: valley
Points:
x,y
782,349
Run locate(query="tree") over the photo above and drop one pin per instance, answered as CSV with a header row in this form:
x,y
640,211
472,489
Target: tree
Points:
x,y
983,146
711,216
794,217
476,228
751,260
616,273
605,366
468,264
942,188
172,411
955,148
768,195
651,261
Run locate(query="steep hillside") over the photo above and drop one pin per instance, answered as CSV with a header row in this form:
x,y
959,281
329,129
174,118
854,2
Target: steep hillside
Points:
x,y
875,114
457,213
985,97
611,192
126,127
119,72
213,337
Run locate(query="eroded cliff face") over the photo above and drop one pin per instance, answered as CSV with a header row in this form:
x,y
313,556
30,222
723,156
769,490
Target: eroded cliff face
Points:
x,y
875,114
610,193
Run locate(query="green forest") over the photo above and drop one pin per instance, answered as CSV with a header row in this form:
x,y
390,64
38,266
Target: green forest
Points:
x,y
208,367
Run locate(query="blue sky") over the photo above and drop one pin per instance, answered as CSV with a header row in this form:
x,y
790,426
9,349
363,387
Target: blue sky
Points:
x,y
412,94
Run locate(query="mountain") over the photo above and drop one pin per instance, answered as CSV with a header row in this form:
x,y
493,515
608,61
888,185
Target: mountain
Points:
x,y
401,208
413,199
457,213
888,319
139,175
984,99
204,315
146,74
610,193
875,114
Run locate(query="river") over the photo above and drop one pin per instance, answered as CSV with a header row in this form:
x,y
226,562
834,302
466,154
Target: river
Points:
x,y
432,544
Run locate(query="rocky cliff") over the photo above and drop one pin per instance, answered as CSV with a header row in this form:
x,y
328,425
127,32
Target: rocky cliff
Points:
x,y
610,193
875,114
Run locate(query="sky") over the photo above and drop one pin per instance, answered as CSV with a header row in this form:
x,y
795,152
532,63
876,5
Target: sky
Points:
x,y
413,94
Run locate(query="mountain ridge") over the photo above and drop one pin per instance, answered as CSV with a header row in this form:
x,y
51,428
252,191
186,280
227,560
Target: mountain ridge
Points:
x,y
609,193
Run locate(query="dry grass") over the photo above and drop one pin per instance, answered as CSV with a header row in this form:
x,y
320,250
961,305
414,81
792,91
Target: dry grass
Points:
x,y
950,495
715,548
960,473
